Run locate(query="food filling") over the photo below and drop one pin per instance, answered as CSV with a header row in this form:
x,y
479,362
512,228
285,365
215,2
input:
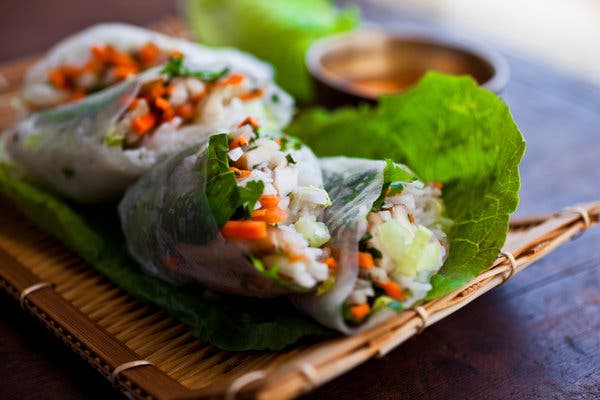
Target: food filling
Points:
x,y
105,66
282,231
180,97
404,246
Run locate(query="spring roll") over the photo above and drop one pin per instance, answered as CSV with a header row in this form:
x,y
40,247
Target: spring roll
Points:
x,y
388,241
96,131
240,214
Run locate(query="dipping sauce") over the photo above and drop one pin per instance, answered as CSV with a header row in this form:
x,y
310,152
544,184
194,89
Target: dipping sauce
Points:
x,y
379,85
361,66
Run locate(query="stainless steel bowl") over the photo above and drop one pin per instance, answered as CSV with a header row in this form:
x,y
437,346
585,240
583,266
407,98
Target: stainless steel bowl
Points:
x,y
360,66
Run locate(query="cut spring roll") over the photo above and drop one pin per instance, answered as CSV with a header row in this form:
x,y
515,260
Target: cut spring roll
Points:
x,y
240,214
389,240
90,150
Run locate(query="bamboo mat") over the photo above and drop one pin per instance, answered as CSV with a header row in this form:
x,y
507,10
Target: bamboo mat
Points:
x,y
112,331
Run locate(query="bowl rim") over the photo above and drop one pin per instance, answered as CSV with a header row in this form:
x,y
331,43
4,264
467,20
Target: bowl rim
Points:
x,y
314,54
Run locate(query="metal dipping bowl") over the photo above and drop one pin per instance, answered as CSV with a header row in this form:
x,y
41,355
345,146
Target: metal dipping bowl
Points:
x,y
360,66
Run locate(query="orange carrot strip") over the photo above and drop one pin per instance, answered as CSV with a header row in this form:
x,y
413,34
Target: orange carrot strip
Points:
x,y
269,200
234,79
411,218
365,260
143,124
244,230
77,95
393,290
252,95
360,311
176,54
240,173
149,53
101,52
297,257
58,78
249,120
157,90
121,59
270,215
185,111
162,104
330,262
239,141
437,184
125,71
133,104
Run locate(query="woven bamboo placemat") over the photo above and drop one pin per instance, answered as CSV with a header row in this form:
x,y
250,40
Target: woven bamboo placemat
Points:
x,y
148,354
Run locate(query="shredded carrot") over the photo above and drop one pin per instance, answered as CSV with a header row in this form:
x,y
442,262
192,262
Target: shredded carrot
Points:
x,y
125,71
149,53
143,124
234,79
437,185
252,95
240,173
121,59
388,191
58,78
239,141
269,200
93,65
365,260
176,54
133,104
411,218
71,71
101,52
270,215
185,111
249,120
77,95
162,104
392,289
360,311
171,262
296,257
278,141
157,89
244,230
330,262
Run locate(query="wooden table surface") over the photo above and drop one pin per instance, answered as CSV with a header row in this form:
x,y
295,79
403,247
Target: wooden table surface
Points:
x,y
537,336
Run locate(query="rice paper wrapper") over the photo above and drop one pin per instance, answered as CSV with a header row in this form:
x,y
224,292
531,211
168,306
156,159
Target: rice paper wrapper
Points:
x,y
173,234
75,49
64,148
353,184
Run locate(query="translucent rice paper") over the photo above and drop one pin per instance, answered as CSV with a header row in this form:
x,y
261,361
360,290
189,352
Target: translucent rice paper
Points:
x,y
75,50
172,233
64,149
353,184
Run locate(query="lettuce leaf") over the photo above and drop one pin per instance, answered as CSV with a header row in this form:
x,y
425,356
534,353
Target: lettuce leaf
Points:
x,y
445,129
277,31
227,322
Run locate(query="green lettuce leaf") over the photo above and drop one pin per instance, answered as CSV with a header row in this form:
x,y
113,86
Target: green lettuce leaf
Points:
x,y
227,322
445,129
277,31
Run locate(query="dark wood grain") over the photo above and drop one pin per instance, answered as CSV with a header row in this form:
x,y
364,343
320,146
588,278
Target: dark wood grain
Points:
x,y
534,337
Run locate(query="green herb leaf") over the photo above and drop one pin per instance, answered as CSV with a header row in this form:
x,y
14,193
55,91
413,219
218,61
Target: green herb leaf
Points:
x,y
175,68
